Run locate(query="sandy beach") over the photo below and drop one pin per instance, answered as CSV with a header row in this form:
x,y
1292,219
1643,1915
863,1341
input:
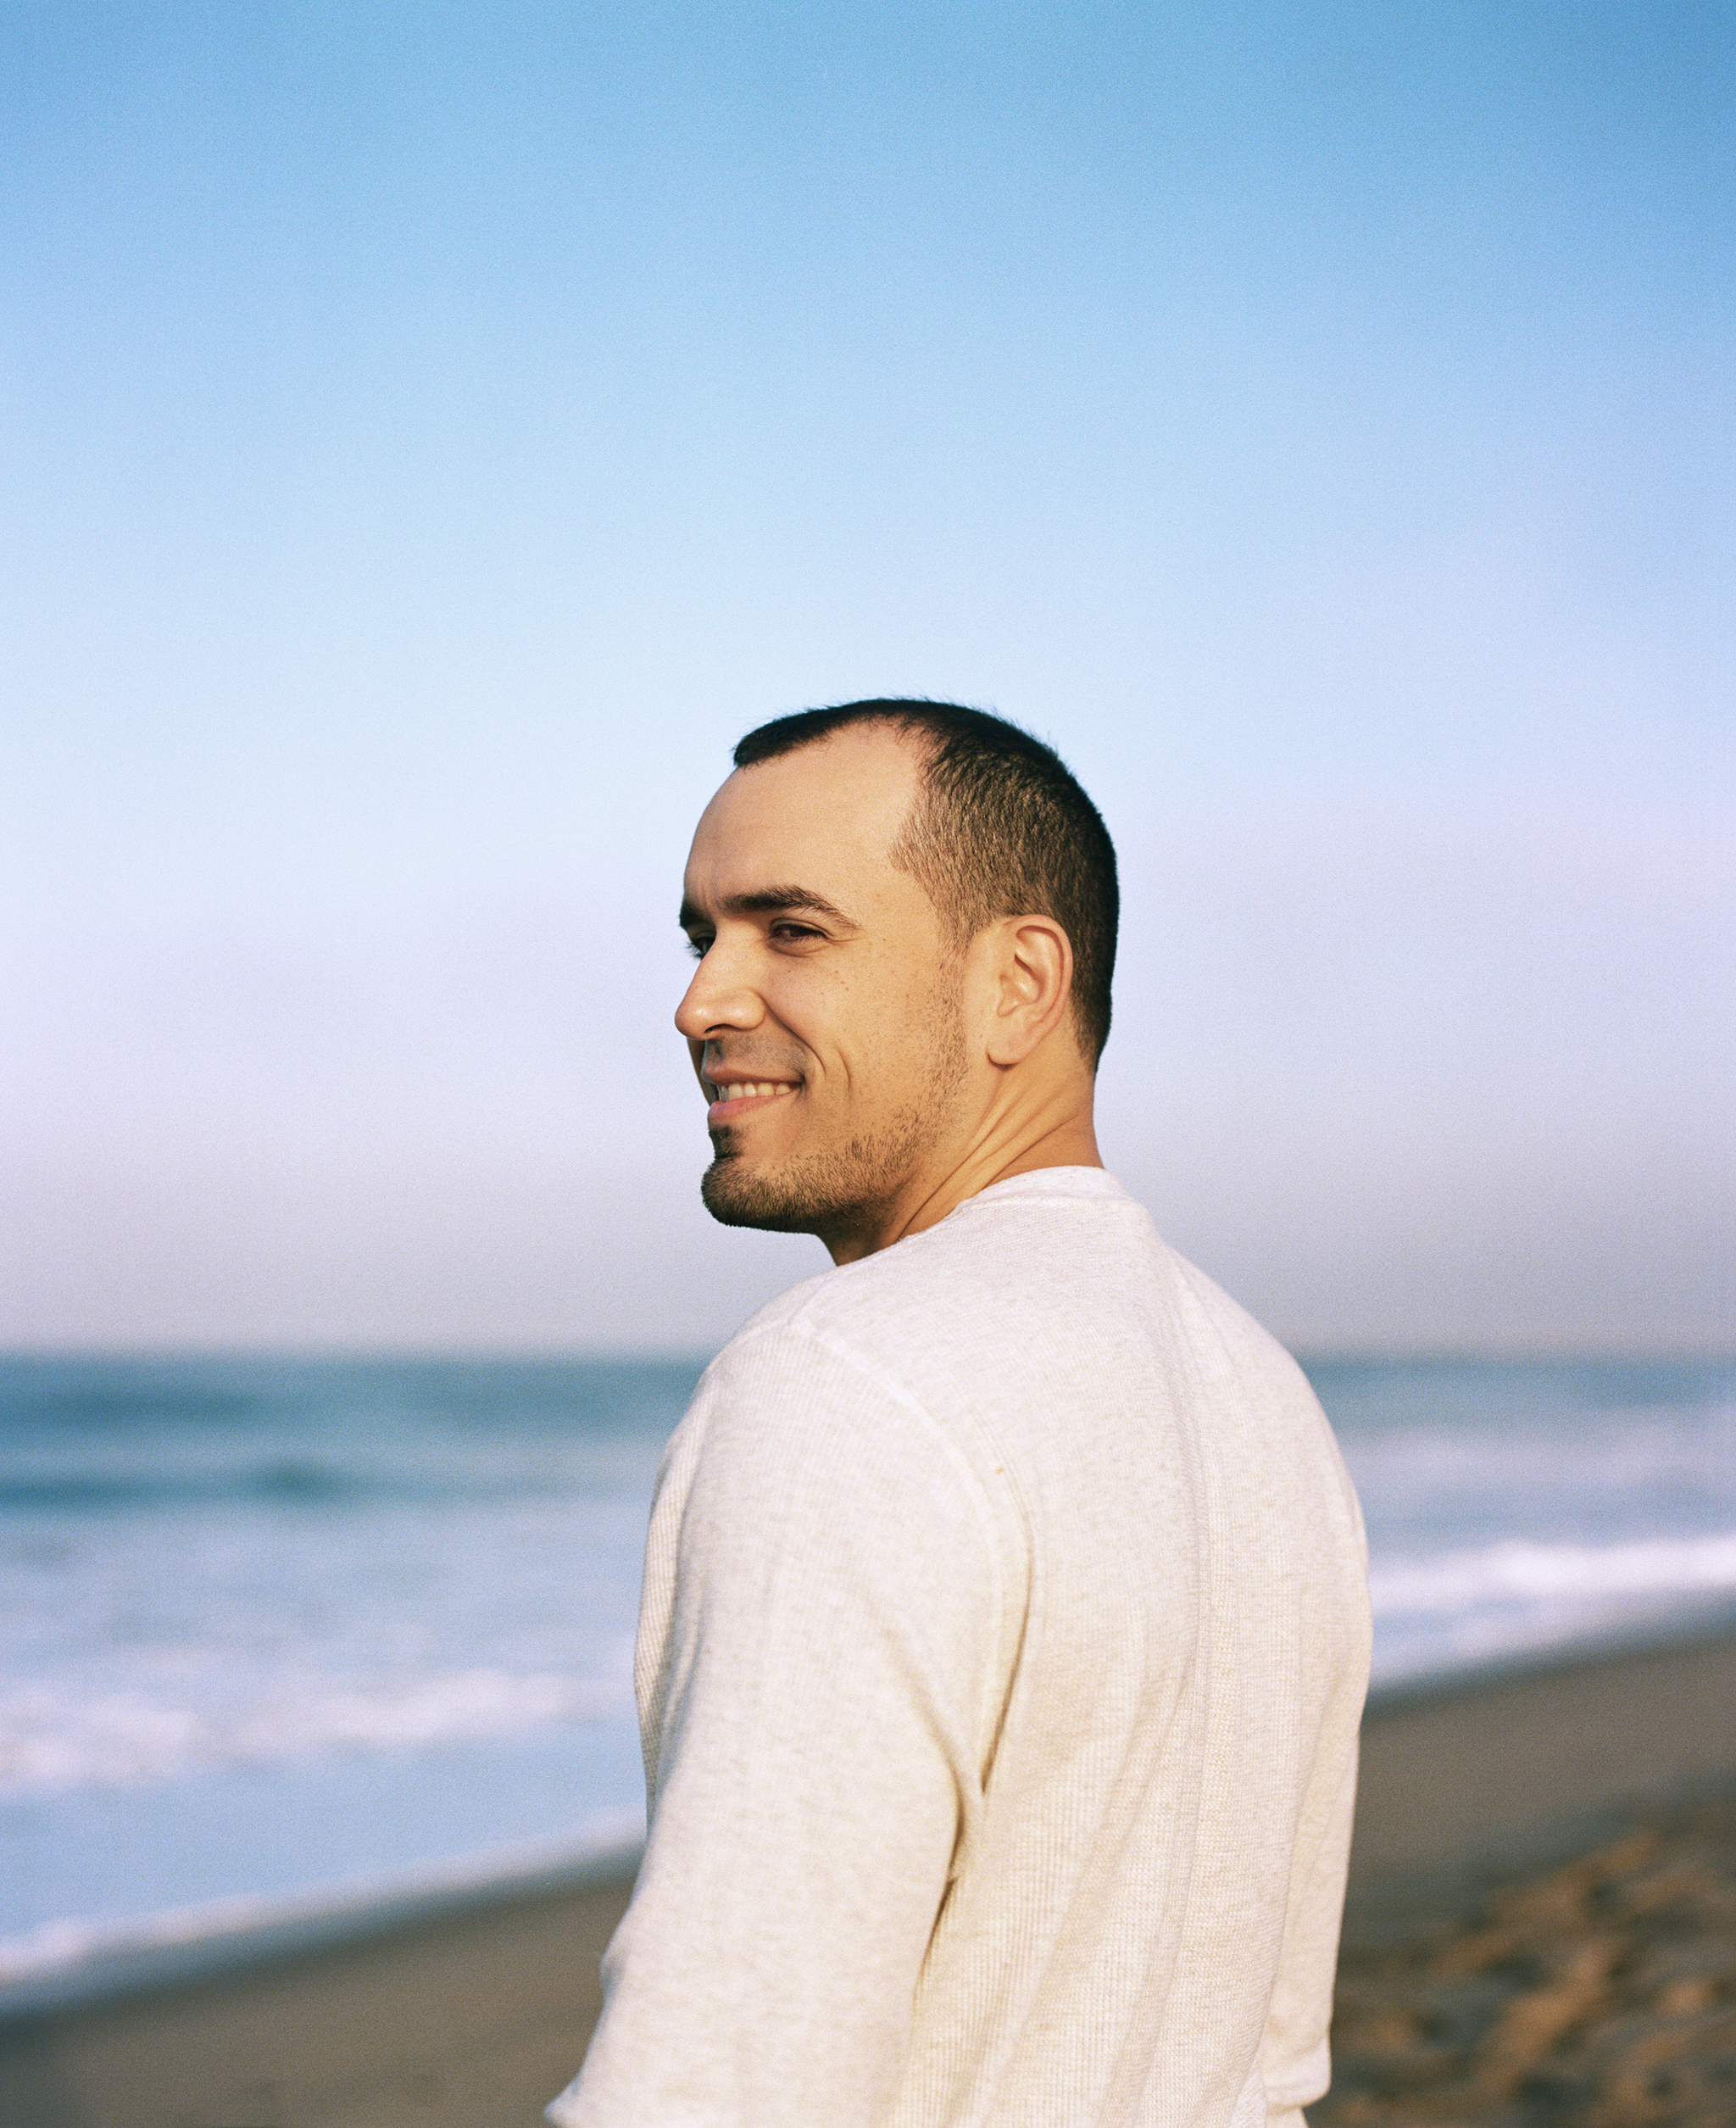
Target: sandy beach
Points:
x,y
1600,1991
1539,1931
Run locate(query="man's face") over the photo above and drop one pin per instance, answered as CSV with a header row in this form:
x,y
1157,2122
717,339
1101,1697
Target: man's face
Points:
x,y
824,1017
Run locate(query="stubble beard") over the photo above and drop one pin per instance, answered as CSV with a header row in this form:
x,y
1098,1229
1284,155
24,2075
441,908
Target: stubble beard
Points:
x,y
837,1188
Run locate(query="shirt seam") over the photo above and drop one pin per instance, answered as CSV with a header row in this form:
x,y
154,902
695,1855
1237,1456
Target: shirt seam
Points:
x,y
991,1714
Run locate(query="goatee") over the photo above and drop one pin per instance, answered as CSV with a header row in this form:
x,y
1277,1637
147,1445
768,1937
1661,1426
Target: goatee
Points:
x,y
813,1193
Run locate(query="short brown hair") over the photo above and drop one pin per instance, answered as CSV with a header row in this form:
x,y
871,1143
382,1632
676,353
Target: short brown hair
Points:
x,y
1006,830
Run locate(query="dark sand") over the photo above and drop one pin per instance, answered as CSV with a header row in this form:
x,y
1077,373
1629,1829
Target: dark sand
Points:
x,y
1539,1933
1600,1993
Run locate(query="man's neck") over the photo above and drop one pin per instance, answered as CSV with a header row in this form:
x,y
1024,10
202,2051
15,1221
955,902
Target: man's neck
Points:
x,y
997,1153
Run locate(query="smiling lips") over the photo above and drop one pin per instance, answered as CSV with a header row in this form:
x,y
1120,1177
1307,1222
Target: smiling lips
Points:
x,y
732,1097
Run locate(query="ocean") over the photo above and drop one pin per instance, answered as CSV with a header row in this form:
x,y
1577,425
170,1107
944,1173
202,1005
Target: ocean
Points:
x,y
275,1629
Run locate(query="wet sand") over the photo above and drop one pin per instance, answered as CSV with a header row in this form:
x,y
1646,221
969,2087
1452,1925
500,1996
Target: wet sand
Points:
x,y
473,2021
1541,1879
1600,1993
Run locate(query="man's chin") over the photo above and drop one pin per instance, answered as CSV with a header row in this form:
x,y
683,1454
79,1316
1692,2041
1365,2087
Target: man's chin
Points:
x,y
830,1194
737,1196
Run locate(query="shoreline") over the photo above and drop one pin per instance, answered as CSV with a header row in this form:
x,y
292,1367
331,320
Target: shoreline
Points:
x,y
186,1946
81,1964
469,1994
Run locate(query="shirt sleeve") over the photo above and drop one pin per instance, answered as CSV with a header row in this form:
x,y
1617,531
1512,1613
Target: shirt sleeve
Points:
x,y
818,1672
1295,2056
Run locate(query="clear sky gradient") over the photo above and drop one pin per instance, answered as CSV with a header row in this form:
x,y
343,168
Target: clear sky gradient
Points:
x,y
431,435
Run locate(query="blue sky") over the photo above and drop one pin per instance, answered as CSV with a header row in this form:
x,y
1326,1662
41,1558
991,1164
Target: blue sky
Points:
x,y
431,435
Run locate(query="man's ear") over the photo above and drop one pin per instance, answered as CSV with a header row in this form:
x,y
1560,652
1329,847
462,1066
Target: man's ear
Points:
x,y
1031,965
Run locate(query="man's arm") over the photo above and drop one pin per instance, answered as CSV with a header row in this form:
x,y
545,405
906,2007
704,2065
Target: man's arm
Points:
x,y
819,1662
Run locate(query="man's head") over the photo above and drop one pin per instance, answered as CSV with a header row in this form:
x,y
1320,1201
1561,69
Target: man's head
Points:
x,y
906,914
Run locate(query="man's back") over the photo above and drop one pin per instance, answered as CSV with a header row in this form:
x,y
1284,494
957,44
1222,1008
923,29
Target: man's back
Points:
x,y
1003,1647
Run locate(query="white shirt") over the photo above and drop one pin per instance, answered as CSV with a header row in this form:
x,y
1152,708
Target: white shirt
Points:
x,y
1003,1643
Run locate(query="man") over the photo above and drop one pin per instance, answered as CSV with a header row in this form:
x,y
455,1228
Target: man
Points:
x,y
1004,1632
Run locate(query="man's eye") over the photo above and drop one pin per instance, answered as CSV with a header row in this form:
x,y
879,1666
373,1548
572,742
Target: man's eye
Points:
x,y
794,931
697,946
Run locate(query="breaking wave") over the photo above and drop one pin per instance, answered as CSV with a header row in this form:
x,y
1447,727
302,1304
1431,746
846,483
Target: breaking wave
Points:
x,y
54,1738
1522,1570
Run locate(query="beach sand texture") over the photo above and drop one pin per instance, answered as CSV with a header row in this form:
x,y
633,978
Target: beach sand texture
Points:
x,y
1601,1993
1539,1932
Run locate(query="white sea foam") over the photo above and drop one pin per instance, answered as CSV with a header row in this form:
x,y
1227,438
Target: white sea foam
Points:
x,y
51,1738
1519,1570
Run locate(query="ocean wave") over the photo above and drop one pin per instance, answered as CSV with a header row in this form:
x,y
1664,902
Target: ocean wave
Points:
x,y
73,1481
1494,1392
1520,1571
278,1481
294,1479
51,1739
118,1396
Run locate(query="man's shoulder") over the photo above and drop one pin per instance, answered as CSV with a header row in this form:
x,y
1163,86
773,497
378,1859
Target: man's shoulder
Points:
x,y
830,1385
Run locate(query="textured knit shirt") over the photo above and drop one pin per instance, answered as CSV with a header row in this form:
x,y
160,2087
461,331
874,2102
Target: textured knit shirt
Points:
x,y
1002,1646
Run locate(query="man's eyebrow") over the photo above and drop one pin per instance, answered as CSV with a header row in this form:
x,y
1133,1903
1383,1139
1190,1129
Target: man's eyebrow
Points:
x,y
768,901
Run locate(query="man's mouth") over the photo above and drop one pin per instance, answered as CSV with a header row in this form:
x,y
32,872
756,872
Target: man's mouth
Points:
x,y
738,1097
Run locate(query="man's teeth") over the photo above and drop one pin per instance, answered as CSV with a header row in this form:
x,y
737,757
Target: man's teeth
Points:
x,y
742,1089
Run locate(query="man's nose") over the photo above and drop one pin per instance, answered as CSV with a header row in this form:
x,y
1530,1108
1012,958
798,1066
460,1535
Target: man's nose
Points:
x,y
719,996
